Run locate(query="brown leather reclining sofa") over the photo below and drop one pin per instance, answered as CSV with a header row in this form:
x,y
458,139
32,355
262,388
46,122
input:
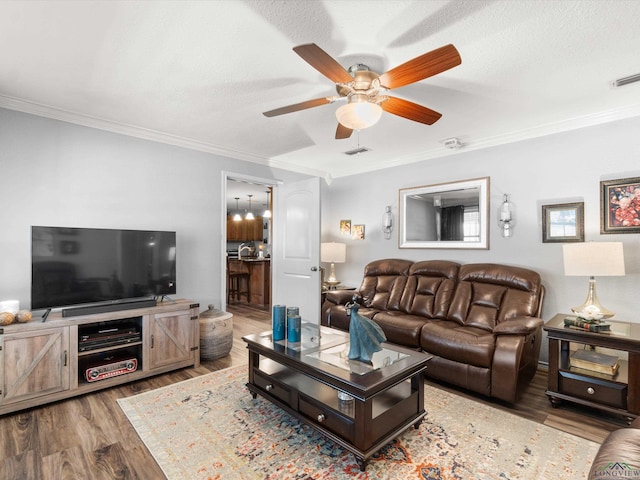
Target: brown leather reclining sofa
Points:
x,y
481,322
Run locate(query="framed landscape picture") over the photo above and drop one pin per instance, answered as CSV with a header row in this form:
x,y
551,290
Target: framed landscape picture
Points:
x,y
563,222
620,206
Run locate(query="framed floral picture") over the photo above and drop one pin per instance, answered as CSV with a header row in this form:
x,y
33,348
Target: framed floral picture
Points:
x,y
563,222
620,205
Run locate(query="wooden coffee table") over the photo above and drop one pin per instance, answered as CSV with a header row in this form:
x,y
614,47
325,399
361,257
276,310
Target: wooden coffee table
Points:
x,y
311,379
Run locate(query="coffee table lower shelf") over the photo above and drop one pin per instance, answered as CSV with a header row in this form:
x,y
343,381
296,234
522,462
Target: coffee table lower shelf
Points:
x,y
362,426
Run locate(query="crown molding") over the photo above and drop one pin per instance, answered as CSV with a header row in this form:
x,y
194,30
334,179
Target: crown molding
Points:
x,y
54,113
440,152
576,123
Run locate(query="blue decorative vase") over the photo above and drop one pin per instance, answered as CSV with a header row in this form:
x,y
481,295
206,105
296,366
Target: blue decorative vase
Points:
x,y
279,323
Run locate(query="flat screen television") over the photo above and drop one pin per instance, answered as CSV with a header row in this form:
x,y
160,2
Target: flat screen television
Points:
x,y
79,266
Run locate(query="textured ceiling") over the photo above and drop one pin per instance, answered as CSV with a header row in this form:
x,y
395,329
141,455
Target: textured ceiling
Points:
x,y
200,74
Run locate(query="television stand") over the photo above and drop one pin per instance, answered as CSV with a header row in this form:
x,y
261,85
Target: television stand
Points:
x,y
46,362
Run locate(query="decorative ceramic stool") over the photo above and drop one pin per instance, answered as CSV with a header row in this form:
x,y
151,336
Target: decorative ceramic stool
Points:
x,y
216,333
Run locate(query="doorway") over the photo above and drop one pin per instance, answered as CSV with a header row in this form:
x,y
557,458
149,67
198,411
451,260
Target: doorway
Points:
x,y
247,225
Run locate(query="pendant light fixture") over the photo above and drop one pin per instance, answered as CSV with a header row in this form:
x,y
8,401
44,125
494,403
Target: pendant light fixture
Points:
x,y
267,211
249,215
236,216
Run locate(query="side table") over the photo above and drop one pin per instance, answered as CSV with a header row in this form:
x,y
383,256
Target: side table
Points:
x,y
619,394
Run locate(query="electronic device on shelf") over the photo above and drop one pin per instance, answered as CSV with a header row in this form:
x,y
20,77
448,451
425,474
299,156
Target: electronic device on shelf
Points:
x,y
102,372
98,336
93,270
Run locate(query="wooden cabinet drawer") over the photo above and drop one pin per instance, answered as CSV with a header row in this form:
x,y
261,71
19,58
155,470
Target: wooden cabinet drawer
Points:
x,y
327,418
593,389
266,383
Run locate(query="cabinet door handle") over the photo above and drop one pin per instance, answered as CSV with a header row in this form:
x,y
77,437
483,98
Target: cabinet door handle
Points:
x,y
590,391
65,357
151,341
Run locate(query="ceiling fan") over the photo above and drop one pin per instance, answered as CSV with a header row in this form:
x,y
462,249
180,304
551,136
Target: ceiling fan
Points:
x,y
365,90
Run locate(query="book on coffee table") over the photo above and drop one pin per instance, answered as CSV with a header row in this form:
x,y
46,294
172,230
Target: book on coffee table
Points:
x,y
595,361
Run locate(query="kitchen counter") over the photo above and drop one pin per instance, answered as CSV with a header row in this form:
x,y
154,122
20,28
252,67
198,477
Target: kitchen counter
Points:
x,y
259,270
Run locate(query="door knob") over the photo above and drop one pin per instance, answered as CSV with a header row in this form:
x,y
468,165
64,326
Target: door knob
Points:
x,y
314,269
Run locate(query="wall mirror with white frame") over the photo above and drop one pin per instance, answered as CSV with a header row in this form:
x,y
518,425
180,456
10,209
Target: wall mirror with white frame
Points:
x,y
445,215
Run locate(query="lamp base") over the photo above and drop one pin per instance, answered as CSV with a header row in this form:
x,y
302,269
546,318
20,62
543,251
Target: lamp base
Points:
x,y
332,281
591,309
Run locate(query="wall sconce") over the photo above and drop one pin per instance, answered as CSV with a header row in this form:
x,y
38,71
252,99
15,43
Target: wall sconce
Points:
x,y
505,217
333,253
387,223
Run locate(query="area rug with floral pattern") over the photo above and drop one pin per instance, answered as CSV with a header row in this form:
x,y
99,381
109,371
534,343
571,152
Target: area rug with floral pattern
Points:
x,y
210,427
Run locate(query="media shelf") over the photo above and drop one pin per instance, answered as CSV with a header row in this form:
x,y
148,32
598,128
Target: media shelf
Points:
x,y
68,356
108,334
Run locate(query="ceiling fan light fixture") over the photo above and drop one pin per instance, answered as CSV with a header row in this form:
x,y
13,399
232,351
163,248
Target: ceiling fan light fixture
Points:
x,y
359,114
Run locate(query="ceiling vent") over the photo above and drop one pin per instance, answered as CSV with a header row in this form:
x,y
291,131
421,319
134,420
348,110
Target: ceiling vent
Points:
x,y
626,80
357,151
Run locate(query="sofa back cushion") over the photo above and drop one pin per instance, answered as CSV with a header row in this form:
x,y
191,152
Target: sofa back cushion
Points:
x,y
429,288
383,283
488,294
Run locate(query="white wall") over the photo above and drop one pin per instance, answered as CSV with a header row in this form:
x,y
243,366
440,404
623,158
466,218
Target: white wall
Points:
x,y
60,174
560,168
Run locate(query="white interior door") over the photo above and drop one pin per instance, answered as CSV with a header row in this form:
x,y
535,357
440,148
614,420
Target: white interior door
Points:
x,y
296,248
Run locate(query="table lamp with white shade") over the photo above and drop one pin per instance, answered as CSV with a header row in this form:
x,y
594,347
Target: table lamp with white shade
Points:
x,y
593,259
333,253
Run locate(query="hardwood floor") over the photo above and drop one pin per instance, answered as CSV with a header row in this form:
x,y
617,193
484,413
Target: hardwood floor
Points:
x,y
89,437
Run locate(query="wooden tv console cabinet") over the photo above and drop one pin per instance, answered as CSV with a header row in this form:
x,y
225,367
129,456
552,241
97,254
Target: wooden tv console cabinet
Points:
x,y
42,362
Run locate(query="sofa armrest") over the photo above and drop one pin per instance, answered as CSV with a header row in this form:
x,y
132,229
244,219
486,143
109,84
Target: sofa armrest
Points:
x,y
518,326
340,297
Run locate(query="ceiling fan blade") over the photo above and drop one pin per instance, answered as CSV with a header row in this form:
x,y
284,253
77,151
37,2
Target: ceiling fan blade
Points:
x,y
323,62
410,110
343,132
424,66
298,106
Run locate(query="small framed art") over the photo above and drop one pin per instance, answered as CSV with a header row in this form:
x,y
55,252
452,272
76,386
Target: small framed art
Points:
x,y
345,228
620,205
563,222
357,232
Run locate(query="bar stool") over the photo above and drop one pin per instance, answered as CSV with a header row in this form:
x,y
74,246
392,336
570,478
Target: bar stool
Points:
x,y
238,284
